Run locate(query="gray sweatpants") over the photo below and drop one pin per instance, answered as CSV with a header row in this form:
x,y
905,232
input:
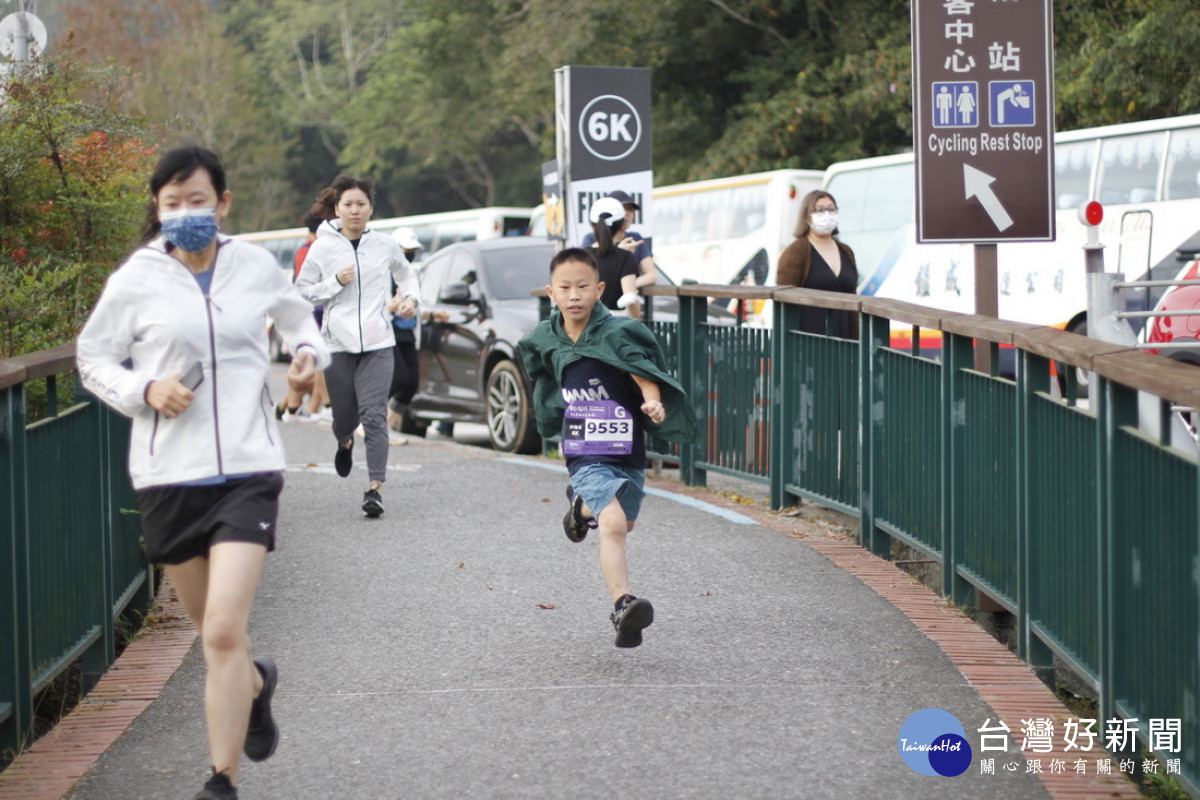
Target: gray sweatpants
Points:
x,y
358,386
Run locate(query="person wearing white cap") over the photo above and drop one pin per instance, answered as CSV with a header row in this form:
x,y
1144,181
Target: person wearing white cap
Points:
x,y
618,267
632,241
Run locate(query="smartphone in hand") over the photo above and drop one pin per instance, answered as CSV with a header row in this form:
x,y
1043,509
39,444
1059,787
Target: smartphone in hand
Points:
x,y
194,376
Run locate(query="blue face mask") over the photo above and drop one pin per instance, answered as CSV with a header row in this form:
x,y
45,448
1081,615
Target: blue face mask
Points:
x,y
190,229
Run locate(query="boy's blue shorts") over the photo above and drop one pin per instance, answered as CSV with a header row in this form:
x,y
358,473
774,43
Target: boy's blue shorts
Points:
x,y
599,483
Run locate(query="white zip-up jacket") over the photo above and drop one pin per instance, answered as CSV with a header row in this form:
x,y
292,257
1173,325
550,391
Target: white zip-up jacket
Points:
x,y
153,320
356,318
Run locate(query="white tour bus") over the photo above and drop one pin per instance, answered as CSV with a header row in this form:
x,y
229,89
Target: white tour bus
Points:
x,y
728,230
434,231
725,230
1145,174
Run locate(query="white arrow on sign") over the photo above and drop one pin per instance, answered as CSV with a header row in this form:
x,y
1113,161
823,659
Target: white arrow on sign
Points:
x,y
979,185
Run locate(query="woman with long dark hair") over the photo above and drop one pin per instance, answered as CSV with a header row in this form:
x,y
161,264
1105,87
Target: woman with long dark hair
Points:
x,y
817,259
177,342
350,269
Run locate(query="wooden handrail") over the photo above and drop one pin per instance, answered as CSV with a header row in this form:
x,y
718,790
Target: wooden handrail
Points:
x,y
37,365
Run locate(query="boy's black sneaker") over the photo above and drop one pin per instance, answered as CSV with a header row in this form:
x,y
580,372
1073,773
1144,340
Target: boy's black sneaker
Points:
x,y
575,525
372,503
218,787
343,460
632,614
262,736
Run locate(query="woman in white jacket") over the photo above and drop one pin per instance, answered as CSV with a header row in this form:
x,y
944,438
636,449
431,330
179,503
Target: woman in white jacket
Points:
x,y
177,342
349,269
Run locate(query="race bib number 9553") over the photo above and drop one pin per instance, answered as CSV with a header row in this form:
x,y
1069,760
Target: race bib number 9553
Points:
x,y
595,428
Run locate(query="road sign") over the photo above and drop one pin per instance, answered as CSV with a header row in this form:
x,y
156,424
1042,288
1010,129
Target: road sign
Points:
x,y
603,141
983,120
21,35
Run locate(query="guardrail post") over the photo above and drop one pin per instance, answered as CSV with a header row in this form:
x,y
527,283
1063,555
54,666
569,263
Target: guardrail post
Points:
x,y
693,313
785,363
1033,373
101,655
874,334
958,354
1118,406
16,676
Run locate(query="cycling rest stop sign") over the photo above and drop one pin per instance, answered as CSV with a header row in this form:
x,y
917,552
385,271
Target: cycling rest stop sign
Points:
x,y
983,120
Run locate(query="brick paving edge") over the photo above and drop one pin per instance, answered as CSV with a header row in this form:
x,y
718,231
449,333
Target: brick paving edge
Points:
x,y
50,768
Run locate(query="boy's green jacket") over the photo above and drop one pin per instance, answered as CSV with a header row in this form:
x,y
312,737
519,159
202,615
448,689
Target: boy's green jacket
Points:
x,y
619,341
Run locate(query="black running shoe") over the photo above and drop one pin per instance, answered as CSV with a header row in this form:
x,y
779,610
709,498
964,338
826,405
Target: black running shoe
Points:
x,y
262,737
343,460
575,525
218,787
372,503
631,616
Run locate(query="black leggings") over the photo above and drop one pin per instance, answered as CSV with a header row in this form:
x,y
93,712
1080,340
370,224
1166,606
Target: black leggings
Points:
x,y
405,373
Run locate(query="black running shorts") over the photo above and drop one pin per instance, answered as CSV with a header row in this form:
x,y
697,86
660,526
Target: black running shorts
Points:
x,y
182,522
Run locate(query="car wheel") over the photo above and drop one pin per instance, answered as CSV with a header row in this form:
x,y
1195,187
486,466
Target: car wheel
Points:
x,y
510,420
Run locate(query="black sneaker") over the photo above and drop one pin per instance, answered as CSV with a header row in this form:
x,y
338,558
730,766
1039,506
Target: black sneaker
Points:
x,y
343,460
575,525
631,616
217,787
372,503
262,737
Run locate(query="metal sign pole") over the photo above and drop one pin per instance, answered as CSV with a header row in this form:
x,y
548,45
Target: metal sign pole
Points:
x,y
987,298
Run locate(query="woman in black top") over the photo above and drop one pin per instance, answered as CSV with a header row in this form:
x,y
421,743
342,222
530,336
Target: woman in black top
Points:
x,y
618,267
817,260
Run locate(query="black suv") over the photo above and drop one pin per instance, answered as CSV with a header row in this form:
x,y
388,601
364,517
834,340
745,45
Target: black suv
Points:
x,y
475,306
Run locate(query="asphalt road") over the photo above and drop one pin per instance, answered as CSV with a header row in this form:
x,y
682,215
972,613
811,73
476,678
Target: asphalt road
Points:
x,y
459,646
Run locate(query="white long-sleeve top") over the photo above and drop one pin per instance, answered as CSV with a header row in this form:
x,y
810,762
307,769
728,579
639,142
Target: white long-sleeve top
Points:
x,y
153,320
356,318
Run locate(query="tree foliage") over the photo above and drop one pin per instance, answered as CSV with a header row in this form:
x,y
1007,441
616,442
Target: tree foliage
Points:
x,y
72,175
450,103
1126,60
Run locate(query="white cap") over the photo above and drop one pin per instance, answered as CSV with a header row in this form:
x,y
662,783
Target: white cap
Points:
x,y
607,205
406,238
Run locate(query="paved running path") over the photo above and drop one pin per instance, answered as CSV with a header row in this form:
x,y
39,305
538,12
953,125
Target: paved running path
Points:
x,y
460,647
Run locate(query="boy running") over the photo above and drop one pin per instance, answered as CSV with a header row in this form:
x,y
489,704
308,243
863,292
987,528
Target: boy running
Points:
x,y
601,382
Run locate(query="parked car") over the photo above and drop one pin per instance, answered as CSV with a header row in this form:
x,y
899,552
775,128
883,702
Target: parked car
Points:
x,y
1178,329
476,304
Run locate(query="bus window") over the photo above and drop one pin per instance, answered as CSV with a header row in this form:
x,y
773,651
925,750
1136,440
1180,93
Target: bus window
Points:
x,y
873,204
1129,167
514,226
1183,165
1073,173
748,206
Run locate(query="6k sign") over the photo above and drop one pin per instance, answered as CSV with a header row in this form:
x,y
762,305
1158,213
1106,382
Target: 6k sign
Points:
x,y
983,112
605,144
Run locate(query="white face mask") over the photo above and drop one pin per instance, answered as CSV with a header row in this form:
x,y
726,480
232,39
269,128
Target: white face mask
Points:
x,y
825,222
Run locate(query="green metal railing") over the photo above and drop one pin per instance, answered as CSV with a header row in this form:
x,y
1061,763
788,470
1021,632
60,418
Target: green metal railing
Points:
x,y
1077,521
70,550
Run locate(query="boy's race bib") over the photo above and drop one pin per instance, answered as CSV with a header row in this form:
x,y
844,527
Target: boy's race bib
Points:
x,y
597,428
